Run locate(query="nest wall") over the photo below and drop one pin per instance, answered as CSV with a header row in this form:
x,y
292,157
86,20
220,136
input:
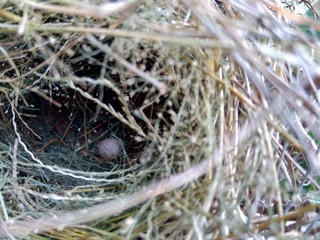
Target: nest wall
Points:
x,y
210,103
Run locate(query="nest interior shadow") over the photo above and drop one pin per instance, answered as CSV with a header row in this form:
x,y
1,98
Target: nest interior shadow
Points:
x,y
65,128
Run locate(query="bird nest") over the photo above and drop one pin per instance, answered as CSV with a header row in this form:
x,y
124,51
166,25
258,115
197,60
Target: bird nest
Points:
x,y
158,119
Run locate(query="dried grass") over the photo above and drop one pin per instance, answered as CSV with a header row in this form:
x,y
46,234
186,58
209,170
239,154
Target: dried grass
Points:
x,y
215,105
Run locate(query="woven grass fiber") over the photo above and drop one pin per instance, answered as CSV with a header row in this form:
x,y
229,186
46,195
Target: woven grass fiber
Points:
x,y
214,106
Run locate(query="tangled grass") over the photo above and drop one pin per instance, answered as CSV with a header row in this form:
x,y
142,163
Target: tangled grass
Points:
x,y
215,105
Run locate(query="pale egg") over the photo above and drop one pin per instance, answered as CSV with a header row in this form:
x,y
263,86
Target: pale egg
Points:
x,y
109,148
